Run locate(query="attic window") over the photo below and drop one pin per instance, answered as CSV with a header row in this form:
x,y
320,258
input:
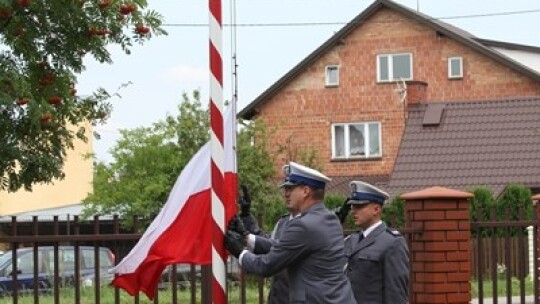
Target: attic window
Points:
x,y
433,114
332,76
455,68
394,67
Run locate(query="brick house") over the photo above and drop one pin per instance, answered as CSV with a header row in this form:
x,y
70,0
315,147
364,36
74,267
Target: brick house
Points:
x,y
346,100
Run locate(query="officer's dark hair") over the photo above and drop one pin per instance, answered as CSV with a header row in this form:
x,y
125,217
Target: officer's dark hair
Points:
x,y
318,194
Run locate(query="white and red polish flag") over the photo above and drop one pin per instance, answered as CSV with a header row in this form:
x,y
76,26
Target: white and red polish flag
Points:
x,y
182,231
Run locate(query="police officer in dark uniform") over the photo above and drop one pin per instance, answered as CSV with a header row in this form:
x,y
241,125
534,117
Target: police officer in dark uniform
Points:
x,y
378,257
310,247
261,243
279,287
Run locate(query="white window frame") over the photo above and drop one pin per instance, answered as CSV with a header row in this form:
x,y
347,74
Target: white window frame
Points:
x,y
346,127
450,74
391,77
327,70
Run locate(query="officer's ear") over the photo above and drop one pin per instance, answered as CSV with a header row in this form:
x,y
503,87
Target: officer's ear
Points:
x,y
377,208
306,190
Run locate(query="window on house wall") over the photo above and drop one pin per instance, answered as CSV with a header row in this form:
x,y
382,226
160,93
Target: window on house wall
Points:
x,y
455,67
332,75
392,67
356,140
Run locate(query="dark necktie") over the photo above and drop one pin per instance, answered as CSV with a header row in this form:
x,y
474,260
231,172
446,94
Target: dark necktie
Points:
x,y
360,237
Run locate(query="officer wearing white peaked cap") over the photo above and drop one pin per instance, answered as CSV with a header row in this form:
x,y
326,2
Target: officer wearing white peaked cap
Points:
x,y
377,256
310,247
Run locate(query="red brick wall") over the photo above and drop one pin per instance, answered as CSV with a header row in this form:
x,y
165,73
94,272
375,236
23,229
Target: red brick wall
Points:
x,y
440,254
304,110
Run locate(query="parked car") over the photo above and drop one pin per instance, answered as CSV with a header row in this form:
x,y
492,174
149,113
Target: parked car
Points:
x,y
46,267
183,273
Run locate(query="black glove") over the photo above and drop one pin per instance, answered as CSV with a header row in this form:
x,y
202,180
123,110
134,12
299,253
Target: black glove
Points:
x,y
237,225
343,211
235,243
245,202
251,224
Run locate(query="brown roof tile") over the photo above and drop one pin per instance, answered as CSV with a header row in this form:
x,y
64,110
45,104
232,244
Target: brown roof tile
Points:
x,y
480,143
340,184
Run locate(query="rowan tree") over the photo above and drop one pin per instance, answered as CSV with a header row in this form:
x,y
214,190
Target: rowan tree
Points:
x,y
42,47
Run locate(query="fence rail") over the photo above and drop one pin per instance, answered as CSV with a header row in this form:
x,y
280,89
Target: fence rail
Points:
x,y
500,254
497,243
176,281
508,255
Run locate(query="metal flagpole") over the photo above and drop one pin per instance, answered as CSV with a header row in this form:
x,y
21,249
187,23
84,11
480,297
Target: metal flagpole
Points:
x,y
218,156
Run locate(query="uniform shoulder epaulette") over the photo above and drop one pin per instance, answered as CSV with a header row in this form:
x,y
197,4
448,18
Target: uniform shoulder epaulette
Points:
x,y
393,232
351,234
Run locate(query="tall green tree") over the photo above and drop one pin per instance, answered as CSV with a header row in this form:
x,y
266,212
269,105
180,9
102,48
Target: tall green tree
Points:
x,y
147,161
256,171
42,47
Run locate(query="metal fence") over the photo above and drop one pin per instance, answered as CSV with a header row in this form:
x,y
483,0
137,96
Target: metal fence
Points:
x,y
48,275
179,283
46,243
501,257
510,252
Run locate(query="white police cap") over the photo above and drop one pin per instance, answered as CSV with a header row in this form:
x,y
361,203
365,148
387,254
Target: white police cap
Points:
x,y
296,174
364,193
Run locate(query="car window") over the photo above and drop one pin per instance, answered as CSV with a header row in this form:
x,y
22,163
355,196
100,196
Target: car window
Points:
x,y
90,261
25,263
88,257
49,261
5,257
104,259
68,259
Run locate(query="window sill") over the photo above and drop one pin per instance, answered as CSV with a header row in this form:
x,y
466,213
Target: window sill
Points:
x,y
355,159
394,81
331,85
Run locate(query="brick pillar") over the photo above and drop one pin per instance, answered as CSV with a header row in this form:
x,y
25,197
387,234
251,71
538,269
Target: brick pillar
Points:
x,y
440,255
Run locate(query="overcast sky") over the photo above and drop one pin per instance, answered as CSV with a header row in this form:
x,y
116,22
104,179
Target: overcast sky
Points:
x,y
268,44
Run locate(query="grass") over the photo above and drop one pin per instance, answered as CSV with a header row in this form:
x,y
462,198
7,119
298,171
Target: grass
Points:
x,y
252,294
501,287
67,295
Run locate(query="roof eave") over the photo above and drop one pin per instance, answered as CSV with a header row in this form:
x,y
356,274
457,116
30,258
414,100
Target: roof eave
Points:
x,y
508,45
471,42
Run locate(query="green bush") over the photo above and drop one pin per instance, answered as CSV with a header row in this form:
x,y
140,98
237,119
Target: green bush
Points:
x,y
515,199
512,200
394,213
272,213
481,205
483,200
514,204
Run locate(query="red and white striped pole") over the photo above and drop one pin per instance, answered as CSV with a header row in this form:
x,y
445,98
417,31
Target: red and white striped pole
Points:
x,y
217,143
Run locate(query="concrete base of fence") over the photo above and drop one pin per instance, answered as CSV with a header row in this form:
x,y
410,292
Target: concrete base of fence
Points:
x,y
517,299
